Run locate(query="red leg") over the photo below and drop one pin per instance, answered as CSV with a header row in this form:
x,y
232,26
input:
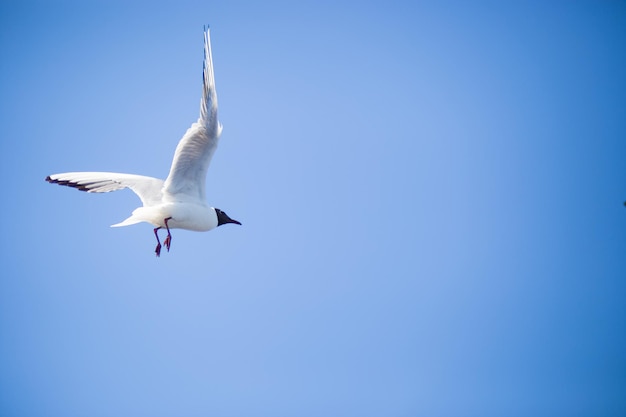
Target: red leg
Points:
x,y
168,240
158,246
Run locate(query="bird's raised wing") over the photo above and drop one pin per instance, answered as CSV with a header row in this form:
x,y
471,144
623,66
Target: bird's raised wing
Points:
x,y
187,178
147,188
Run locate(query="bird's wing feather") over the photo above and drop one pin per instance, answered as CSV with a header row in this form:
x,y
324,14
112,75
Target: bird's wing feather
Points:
x,y
147,188
187,177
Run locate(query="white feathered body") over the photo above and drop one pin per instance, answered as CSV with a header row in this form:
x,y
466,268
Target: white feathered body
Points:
x,y
188,216
180,199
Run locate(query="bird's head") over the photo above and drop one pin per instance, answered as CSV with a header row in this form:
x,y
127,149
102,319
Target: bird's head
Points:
x,y
222,218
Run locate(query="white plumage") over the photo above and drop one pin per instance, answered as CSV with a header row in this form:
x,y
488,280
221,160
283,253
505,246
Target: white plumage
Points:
x,y
180,200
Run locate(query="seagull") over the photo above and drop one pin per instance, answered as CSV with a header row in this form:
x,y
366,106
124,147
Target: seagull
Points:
x,y
179,202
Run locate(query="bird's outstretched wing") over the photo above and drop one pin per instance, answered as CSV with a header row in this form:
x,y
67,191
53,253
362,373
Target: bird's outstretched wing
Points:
x,y
147,188
187,178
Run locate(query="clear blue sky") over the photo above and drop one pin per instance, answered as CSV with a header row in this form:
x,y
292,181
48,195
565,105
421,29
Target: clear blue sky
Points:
x,y
431,197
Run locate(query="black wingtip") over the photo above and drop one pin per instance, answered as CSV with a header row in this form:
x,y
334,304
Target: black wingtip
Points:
x,y
81,187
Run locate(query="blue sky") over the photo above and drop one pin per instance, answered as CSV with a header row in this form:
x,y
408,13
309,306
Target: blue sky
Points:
x,y
431,197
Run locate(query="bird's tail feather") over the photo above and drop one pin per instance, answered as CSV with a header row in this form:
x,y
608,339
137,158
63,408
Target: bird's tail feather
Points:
x,y
128,222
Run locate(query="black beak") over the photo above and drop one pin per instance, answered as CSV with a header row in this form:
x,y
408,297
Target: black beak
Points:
x,y
235,221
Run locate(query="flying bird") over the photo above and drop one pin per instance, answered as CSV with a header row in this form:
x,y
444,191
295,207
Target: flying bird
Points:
x,y
179,202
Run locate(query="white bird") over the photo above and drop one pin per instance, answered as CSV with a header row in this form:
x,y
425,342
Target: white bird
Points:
x,y
179,202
